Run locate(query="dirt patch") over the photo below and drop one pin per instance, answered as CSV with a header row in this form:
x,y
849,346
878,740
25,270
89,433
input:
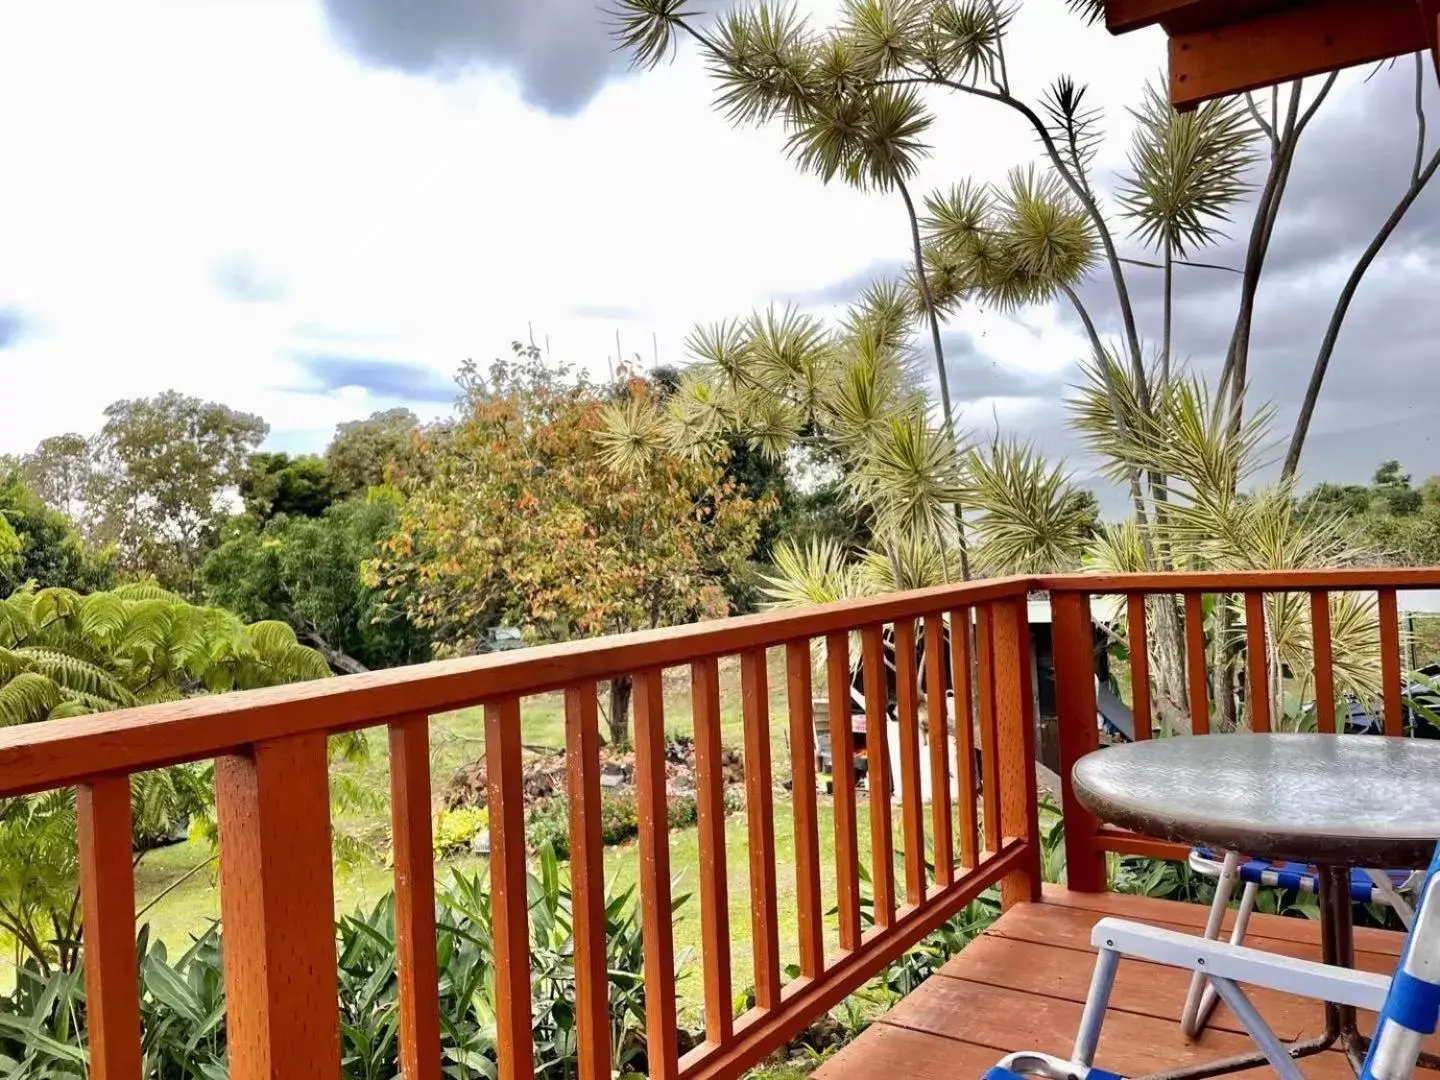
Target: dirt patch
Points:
x,y
543,774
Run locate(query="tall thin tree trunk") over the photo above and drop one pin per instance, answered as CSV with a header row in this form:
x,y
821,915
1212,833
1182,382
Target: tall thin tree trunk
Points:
x,y
1420,175
943,376
619,718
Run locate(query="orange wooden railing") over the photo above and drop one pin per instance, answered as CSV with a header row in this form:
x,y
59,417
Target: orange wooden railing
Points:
x,y
1086,840
276,887
277,901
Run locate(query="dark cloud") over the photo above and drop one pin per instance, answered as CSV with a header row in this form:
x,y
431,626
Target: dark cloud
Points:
x,y
975,375
847,289
1381,396
397,379
560,51
243,278
14,326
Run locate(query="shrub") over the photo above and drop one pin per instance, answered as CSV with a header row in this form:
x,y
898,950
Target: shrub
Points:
x,y
455,830
42,1022
549,824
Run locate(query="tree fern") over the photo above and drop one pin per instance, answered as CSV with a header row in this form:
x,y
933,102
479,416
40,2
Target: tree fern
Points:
x,y
27,698
74,674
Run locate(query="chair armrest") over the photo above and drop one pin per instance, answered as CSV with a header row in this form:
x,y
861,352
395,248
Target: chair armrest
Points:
x,y
1241,964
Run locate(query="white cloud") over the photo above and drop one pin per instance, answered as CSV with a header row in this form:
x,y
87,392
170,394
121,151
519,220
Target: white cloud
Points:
x,y
409,219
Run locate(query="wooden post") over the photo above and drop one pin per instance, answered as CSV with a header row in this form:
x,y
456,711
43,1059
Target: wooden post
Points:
x,y
1324,661
1196,669
808,920
1257,667
107,903
1015,743
655,907
509,900
1074,645
985,691
414,898
941,823
912,808
842,772
1390,682
710,812
760,817
587,881
962,678
877,749
277,904
1139,664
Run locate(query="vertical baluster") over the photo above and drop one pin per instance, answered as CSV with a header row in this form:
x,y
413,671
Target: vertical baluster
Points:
x,y
939,734
1324,662
877,745
760,816
655,904
1015,741
1195,666
809,926
989,772
414,875
962,679
107,903
277,904
842,776
1390,664
587,881
1257,679
912,808
509,900
714,893
1074,645
1139,664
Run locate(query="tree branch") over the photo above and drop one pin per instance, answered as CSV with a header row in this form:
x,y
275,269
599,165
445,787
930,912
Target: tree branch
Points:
x,y
1342,306
1419,117
1082,192
941,373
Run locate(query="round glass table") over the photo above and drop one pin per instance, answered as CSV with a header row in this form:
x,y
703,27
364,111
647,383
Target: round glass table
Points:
x,y
1336,801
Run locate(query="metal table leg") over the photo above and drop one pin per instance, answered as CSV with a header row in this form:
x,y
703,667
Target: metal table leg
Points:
x,y
1336,942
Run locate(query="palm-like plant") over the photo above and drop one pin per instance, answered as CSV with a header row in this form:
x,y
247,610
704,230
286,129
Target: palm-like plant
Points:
x,y
64,655
1028,522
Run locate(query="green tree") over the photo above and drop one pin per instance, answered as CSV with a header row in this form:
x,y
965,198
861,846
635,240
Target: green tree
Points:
x,y
58,470
307,572
275,484
513,519
161,468
362,450
63,655
45,547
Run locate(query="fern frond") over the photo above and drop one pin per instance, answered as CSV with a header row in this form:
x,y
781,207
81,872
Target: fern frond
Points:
x,y
27,698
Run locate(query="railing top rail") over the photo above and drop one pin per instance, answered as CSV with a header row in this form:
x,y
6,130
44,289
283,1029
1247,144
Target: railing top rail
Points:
x,y
58,753
1347,579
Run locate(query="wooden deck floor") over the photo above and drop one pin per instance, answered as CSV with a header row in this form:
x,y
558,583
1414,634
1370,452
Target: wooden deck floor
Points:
x,y
1021,987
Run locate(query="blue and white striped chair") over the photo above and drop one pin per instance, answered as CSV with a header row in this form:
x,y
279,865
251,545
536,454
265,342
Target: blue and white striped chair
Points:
x,y
1393,888
1408,1002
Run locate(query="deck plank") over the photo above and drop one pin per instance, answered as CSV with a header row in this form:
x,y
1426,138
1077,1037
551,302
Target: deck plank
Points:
x,y
1022,985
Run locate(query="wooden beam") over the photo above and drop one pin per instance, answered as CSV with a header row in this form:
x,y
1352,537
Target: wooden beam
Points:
x,y
1290,43
1182,16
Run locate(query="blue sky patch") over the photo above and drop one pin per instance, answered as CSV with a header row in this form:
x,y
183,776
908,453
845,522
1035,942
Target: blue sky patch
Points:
x,y
398,379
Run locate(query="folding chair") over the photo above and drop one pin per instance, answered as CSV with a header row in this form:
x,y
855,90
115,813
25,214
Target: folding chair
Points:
x,y
1408,1003
1392,888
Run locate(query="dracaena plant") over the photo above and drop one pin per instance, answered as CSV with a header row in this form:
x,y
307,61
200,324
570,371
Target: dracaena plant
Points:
x,y
855,99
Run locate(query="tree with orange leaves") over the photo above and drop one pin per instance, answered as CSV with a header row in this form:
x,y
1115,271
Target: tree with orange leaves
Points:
x,y
513,518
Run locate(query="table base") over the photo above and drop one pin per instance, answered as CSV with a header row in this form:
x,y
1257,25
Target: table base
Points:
x,y
1337,947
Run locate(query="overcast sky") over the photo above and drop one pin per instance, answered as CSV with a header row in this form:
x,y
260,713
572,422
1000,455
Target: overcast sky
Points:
x,y
314,209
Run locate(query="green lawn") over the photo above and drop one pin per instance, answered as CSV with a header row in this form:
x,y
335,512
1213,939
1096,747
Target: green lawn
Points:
x,y
177,905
